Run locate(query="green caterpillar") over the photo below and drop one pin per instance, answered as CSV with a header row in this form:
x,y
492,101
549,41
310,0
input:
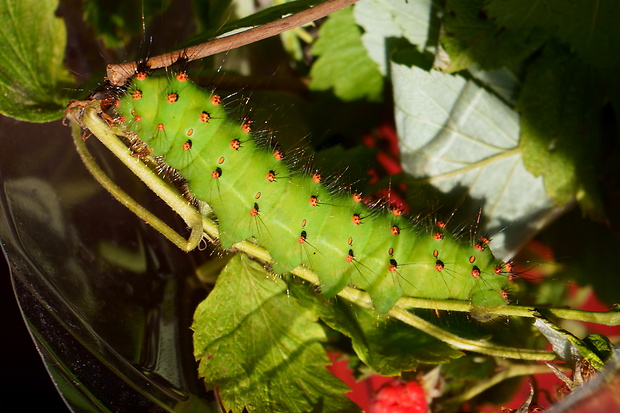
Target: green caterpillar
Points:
x,y
256,195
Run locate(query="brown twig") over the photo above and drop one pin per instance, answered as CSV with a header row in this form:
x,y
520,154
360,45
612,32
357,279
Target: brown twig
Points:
x,y
119,73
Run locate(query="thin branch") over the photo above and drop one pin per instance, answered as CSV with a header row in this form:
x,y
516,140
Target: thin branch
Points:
x,y
119,73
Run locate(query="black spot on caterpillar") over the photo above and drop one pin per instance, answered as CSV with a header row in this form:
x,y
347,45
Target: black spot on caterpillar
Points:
x,y
292,213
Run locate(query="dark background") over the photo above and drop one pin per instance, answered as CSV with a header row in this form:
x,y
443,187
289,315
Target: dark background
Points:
x,y
25,384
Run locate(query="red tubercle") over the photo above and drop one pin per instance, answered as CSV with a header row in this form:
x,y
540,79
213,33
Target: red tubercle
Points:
x,y
302,237
246,126
254,211
350,256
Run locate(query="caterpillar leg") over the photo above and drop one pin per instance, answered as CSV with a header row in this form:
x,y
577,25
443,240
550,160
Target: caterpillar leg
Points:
x,y
192,217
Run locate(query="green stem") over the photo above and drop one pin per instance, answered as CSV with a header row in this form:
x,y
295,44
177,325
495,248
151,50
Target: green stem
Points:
x,y
176,201
363,300
610,317
514,370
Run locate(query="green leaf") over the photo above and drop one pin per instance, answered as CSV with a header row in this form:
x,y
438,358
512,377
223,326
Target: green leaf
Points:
x,y
560,134
526,15
568,347
33,79
600,345
388,346
453,133
590,28
260,348
339,49
466,372
469,36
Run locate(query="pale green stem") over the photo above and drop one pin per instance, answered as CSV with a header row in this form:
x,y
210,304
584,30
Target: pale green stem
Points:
x,y
514,370
173,198
363,300
610,317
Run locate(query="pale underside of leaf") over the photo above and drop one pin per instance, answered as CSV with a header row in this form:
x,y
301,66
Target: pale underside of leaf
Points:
x,y
454,133
386,19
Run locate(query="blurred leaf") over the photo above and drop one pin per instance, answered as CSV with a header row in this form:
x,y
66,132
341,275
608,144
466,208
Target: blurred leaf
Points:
x,y
261,348
117,21
582,246
469,36
339,49
526,15
560,115
453,133
264,16
590,28
33,78
467,371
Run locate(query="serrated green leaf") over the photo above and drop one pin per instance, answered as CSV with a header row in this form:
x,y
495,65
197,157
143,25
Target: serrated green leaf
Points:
x,y
339,49
260,348
33,79
469,36
560,127
453,133
388,346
